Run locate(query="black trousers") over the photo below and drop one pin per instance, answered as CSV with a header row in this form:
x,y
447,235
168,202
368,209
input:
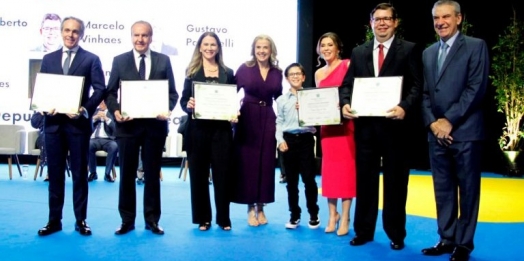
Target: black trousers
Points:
x,y
300,159
210,150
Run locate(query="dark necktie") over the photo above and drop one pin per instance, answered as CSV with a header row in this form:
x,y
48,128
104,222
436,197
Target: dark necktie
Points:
x,y
380,56
142,67
442,56
97,130
67,61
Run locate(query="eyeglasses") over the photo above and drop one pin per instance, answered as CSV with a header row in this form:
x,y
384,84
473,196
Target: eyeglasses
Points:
x,y
386,19
51,28
298,74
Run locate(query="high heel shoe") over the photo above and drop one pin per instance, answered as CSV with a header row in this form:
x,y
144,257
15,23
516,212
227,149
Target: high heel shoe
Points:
x,y
332,224
252,217
343,228
204,226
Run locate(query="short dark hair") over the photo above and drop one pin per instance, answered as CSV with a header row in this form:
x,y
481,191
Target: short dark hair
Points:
x,y
294,65
51,16
384,6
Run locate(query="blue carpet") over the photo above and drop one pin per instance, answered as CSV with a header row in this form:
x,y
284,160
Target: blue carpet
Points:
x,y
23,206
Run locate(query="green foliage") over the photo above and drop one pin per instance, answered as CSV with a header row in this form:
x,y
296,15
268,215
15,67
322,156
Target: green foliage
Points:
x,y
508,79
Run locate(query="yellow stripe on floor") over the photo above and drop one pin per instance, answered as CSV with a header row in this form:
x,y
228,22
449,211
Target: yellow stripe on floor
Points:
x,y
501,199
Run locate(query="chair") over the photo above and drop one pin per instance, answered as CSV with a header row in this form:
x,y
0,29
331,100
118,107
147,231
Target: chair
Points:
x,y
12,143
181,154
103,154
32,136
166,153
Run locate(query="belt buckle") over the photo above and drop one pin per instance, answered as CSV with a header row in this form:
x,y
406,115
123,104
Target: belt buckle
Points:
x,y
262,103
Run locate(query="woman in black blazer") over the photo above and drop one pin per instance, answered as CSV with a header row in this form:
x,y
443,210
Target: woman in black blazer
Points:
x,y
208,143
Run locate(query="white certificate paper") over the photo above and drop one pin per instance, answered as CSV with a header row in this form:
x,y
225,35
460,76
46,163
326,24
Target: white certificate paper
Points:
x,y
318,106
215,101
374,96
144,99
57,91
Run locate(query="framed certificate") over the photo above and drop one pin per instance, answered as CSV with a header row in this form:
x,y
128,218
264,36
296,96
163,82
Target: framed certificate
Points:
x,y
318,106
215,101
374,96
144,99
57,91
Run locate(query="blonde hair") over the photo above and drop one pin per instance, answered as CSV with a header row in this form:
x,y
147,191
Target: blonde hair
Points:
x,y
196,59
273,61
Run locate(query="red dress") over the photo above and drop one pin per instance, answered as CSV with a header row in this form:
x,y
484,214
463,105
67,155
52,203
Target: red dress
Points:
x,y
338,148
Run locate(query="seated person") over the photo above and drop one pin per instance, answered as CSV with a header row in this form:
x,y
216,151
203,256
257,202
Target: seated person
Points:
x,y
102,139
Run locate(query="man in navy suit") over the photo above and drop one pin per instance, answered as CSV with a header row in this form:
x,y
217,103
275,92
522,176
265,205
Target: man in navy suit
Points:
x,y
455,80
131,134
102,139
383,139
69,133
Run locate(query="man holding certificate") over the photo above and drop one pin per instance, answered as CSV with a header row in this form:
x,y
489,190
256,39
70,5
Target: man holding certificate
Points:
x,y
69,132
383,139
141,66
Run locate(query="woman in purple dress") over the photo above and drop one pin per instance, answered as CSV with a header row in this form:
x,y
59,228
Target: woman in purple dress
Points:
x,y
255,142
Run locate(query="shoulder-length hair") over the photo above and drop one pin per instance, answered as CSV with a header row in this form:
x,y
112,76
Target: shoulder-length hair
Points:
x,y
196,59
273,61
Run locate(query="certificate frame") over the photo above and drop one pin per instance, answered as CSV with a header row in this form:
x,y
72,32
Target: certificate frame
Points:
x,y
144,98
374,96
318,106
215,101
48,86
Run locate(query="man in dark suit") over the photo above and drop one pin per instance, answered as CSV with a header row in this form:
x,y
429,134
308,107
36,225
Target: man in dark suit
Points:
x,y
102,139
69,133
131,134
455,80
383,139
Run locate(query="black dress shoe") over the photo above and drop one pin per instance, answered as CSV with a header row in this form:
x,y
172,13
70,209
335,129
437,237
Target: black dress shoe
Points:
x,y
92,177
108,178
82,227
459,254
439,249
358,241
155,228
125,228
50,228
397,245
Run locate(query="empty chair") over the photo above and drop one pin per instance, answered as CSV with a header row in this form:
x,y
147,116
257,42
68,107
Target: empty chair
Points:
x,y
12,143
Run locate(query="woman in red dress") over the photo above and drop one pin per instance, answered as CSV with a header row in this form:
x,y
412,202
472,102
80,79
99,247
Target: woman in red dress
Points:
x,y
337,141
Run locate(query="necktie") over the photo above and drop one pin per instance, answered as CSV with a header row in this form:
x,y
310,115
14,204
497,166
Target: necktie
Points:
x,y
380,56
442,56
142,67
97,130
67,61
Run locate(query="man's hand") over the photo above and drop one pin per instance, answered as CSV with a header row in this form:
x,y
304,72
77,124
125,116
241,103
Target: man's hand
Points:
x,y
119,118
347,113
164,116
442,129
396,113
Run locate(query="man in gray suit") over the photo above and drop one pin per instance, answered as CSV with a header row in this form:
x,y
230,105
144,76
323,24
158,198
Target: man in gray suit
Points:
x,y
149,134
455,79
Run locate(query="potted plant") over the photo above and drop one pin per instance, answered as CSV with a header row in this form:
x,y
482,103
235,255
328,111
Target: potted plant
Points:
x,y
508,79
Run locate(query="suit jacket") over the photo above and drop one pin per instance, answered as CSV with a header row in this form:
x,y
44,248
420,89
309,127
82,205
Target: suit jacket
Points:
x,y
402,59
457,92
124,69
84,64
108,128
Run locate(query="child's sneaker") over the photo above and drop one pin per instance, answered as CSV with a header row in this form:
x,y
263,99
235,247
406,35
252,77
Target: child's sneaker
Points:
x,y
293,223
314,223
